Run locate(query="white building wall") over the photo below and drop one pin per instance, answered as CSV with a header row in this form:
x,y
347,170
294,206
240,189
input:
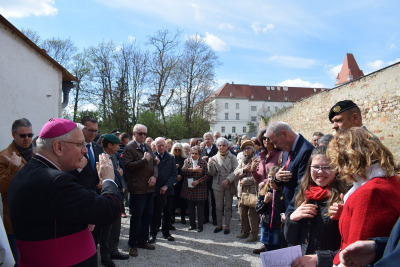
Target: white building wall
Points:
x,y
245,113
30,86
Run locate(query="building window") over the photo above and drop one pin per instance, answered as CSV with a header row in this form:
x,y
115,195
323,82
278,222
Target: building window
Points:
x,y
254,118
268,109
276,108
278,88
226,105
285,98
237,116
237,105
268,88
253,108
222,129
285,88
272,88
226,116
233,129
244,129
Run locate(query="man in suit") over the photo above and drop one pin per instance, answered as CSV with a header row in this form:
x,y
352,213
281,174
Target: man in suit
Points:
x,y
141,175
207,152
295,159
109,234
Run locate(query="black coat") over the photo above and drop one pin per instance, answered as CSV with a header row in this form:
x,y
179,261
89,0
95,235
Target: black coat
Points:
x,y
265,209
179,184
88,177
319,235
213,152
42,199
167,173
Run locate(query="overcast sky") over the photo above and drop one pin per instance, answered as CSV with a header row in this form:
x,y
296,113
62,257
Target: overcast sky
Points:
x,y
259,42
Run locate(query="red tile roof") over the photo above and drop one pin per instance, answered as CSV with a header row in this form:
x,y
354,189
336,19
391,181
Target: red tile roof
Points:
x,y
258,92
349,67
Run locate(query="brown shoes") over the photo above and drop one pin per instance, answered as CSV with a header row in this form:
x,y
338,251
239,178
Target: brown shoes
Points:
x,y
147,246
133,252
259,250
243,235
251,238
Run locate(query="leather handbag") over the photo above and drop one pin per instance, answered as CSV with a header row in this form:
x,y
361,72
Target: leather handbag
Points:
x,y
249,199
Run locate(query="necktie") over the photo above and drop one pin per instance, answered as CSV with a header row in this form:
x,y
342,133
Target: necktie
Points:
x,y
288,160
142,147
91,158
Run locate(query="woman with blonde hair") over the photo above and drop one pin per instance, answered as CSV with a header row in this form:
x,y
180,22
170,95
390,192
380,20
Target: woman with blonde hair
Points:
x,y
372,206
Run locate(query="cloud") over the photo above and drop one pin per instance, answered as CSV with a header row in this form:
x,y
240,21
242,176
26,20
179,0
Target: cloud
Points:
x,y
223,26
198,15
394,61
392,46
131,38
216,43
25,8
376,65
259,26
294,62
118,48
301,83
333,70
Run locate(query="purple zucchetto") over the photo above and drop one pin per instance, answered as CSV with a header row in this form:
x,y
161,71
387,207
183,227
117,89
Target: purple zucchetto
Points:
x,y
56,127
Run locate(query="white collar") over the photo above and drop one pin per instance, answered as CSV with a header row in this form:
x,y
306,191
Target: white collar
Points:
x,y
40,155
374,171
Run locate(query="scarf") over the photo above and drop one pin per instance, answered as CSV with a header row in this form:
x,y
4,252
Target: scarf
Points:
x,y
374,171
25,153
223,155
317,193
248,159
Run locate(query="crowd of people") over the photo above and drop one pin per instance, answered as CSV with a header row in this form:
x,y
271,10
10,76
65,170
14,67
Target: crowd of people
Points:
x,y
329,194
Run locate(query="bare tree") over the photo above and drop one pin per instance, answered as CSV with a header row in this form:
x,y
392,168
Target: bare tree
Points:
x,y
32,35
162,65
61,50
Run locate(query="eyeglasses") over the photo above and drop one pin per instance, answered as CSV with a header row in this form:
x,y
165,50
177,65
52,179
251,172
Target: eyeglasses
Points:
x,y
325,169
265,138
141,133
194,153
30,135
81,146
248,148
91,131
177,150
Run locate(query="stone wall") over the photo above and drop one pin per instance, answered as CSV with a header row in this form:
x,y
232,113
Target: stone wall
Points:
x,y
377,95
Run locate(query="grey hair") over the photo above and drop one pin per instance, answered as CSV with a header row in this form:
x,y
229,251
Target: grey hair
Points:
x,y
137,126
80,126
277,127
20,123
208,133
46,144
159,139
217,132
245,137
325,139
223,140
178,145
185,144
196,148
230,144
202,143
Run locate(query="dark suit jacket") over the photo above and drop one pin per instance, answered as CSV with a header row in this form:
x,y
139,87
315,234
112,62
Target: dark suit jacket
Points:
x,y
298,167
89,177
167,173
213,152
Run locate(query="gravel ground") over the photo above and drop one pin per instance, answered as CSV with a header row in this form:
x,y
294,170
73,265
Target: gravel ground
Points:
x,y
193,249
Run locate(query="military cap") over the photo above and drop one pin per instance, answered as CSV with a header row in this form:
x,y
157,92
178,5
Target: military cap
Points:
x,y
116,131
341,106
112,138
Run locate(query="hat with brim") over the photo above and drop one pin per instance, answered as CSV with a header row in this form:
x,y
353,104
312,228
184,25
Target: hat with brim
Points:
x,y
246,143
340,107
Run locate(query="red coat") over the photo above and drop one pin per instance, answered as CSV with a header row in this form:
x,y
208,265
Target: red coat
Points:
x,y
371,211
200,191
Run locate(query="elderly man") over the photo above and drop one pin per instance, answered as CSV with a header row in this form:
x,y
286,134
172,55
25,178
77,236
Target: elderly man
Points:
x,y
12,159
149,140
216,136
324,140
109,234
207,152
315,137
297,152
142,172
192,142
50,212
164,195
186,147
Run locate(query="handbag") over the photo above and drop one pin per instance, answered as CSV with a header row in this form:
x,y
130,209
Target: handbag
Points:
x,y
249,199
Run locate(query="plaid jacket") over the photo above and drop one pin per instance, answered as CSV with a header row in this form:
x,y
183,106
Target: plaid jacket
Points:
x,y
200,191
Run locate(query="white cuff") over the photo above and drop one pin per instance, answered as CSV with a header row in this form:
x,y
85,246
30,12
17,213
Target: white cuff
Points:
x,y
111,181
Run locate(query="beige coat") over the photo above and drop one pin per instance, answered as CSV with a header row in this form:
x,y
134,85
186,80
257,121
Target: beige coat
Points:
x,y
7,172
245,176
221,170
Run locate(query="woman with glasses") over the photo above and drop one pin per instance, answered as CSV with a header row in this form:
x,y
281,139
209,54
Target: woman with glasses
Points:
x,y
310,224
372,206
250,221
194,187
180,156
221,167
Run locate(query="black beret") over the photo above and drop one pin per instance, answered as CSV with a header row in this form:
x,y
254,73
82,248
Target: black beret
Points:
x,y
112,138
341,106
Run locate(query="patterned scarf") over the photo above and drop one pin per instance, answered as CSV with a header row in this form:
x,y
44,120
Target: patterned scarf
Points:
x,y
223,155
25,153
